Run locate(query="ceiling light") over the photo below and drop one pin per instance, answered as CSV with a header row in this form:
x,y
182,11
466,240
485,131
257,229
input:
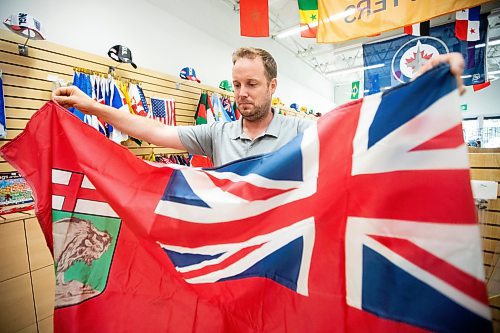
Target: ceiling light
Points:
x,y
354,69
492,43
295,30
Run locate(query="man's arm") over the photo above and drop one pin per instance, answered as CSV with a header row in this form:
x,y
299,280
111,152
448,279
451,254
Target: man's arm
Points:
x,y
139,127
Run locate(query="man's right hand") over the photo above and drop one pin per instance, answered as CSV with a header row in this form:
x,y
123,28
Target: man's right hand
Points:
x,y
73,97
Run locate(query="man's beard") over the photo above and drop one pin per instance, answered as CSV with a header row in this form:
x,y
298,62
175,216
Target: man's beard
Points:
x,y
258,113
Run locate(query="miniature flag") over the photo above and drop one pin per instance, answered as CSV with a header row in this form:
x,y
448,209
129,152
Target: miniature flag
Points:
x,y
418,29
308,11
467,24
163,110
355,90
254,18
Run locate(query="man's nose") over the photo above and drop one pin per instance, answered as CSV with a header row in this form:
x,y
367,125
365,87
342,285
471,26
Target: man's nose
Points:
x,y
243,91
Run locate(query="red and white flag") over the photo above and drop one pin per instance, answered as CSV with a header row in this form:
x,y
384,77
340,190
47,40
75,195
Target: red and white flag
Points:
x,y
271,243
418,29
467,24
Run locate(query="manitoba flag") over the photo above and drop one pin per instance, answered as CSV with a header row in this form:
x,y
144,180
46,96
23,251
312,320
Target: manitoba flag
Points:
x,y
363,223
467,24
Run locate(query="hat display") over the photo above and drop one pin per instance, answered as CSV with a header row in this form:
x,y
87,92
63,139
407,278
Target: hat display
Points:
x,y
25,25
188,73
122,54
226,85
276,101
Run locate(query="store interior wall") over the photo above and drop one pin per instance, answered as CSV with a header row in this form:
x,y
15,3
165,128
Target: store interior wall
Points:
x,y
161,41
485,102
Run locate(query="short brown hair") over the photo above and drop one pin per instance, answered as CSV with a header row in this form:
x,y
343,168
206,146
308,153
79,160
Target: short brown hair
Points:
x,y
270,67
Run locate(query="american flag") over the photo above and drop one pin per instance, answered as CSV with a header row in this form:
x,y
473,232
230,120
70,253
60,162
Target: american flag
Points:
x,y
163,110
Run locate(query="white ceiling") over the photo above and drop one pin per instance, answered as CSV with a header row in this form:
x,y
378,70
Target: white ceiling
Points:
x,y
331,57
220,18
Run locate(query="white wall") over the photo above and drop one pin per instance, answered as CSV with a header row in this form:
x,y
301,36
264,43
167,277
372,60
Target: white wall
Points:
x,y
168,35
485,102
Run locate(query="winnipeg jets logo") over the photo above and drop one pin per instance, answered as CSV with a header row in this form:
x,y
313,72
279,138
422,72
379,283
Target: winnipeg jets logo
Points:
x,y
413,55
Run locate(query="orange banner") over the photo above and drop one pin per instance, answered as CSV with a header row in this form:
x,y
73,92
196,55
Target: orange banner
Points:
x,y
341,20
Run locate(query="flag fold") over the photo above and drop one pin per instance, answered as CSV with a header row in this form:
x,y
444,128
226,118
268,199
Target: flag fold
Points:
x,y
365,222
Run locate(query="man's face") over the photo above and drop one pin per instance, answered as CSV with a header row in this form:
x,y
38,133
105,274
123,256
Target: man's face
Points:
x,y
252,91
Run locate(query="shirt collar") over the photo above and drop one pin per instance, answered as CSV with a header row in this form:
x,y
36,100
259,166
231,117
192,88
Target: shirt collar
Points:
x,y
273,129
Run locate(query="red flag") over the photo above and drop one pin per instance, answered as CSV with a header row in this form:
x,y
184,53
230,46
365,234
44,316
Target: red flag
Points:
x,y
418,29
480,86
254,18
275,242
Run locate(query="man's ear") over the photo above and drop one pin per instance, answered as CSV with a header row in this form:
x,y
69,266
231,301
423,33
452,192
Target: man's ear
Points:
x,y
272,85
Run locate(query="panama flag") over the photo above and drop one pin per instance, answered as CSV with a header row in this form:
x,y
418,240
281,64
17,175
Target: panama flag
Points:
x,y
363,223
467,24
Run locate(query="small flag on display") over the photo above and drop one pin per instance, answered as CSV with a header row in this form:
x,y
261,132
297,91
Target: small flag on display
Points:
x,y
3,128
163,110
308,12
418,29
467,24
254,18
355,90
477,87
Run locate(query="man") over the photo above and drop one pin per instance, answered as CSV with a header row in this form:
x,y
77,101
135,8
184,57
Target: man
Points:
x,y
260,130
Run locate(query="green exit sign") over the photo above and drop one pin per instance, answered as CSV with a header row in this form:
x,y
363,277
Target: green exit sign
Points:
x,y
463,107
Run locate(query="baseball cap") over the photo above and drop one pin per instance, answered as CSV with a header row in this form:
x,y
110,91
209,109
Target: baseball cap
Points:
x,y
276,101
121,53
294,106
188,73
226,85
25,25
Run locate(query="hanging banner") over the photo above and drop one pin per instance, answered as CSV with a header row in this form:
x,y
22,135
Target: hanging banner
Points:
x,y
342,20
398,60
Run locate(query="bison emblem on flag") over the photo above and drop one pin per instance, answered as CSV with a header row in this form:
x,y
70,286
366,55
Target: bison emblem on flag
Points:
x,y
348,228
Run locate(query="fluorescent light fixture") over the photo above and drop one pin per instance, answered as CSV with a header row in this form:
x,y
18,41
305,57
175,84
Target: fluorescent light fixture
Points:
x,y
292,31
354,69
295,30
493,43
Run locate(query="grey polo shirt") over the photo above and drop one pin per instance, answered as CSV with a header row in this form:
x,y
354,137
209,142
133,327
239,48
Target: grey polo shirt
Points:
x,y
224,142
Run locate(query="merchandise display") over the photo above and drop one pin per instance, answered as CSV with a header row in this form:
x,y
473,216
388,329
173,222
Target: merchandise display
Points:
x,y
121,54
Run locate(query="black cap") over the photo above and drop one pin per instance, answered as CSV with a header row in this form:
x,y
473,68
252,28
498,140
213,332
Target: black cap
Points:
x,y
121,53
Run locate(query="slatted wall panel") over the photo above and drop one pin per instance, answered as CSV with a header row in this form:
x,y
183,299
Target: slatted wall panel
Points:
x,y
485,165
27,87
26,266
